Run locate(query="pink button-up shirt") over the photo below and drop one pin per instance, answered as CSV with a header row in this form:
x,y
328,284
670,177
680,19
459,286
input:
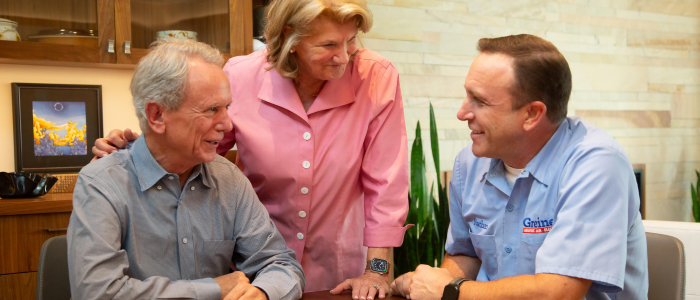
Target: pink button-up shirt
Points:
x,y
334,178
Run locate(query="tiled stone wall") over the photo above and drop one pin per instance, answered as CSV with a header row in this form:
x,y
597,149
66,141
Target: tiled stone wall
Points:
x,y
635,64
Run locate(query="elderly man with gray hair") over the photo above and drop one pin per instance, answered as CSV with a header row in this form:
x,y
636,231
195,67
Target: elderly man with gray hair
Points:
x,y
167,217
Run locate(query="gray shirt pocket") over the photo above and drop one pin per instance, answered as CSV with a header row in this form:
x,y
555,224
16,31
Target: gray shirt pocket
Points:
x,y
214,258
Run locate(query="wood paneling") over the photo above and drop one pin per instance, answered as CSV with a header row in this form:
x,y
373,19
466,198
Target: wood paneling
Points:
x,y
20,286
122,24
22,237
105,21
11,61
53,52
50,203
241,27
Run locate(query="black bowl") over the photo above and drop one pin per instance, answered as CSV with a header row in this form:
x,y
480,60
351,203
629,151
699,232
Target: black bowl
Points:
x,y
25,185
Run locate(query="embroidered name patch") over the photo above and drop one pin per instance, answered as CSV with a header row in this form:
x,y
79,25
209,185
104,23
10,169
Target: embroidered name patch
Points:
x,y
480,224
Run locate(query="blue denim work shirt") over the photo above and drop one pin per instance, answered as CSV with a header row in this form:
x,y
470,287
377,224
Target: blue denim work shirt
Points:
x,y
573,211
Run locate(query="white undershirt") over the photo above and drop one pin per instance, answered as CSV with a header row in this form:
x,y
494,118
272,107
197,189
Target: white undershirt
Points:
x,y
511,175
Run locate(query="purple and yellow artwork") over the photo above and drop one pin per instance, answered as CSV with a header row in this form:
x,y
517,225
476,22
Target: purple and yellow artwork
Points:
x,y
59,128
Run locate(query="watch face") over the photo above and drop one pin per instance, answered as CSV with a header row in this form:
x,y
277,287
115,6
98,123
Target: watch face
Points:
x,y
379,265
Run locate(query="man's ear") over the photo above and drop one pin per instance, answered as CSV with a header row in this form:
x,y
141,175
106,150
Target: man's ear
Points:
x,y
536,113
154,115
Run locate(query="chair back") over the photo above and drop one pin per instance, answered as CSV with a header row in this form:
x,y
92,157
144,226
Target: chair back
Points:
x,y
52,278
666,267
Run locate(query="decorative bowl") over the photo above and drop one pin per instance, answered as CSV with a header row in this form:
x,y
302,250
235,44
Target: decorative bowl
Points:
x,y
25,185
66,37
8,30
177,34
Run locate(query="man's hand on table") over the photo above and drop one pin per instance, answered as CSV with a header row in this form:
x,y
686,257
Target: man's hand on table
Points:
x,y
245,291
363,286
116,139
236,286
426,283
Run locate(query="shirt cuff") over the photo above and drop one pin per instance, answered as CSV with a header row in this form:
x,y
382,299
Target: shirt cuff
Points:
x,y
384,237
207,288
268,288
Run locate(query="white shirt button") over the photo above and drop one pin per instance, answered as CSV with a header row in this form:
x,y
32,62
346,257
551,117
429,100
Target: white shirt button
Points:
x,y
302,214
307,136
191,188
304,190
159,187
300,236
493,174
184,240
171,177
523,172
306,164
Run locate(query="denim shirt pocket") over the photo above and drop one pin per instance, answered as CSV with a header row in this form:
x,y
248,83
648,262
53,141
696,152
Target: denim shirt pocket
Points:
x,y
527,257
214,258
485,246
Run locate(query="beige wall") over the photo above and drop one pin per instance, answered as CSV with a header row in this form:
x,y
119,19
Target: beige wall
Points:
x,y
636,68
118,112
635,64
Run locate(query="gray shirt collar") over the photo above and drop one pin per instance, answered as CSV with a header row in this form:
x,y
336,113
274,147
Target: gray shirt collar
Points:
x,y
149,172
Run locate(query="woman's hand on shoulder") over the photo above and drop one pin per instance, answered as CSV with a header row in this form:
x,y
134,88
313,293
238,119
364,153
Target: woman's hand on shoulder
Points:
x,y
116,139
365,286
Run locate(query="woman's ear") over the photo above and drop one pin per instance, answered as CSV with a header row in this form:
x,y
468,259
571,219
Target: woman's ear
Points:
x,y
287,31
536,113
154,115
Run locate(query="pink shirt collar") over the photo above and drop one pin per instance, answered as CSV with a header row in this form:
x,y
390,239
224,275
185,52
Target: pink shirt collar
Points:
x,y
280,91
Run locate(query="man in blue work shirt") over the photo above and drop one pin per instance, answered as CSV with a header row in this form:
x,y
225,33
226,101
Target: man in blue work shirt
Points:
x,y
542,206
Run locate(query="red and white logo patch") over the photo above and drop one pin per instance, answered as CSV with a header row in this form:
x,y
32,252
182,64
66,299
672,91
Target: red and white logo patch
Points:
x,y
537,230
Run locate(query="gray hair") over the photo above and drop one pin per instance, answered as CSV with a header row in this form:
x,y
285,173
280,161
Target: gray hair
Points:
x,y
161,76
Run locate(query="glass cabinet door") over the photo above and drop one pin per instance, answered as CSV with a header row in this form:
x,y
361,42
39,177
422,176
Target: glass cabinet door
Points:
x,y
222,23
67,30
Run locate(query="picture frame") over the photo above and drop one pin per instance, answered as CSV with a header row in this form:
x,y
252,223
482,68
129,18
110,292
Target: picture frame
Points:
x,y
55,126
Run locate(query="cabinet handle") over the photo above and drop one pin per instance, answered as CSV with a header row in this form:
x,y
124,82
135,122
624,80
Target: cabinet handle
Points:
x,y
127,47
56,229
110,46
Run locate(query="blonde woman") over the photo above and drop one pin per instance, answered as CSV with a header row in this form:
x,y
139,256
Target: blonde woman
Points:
x,y
319,127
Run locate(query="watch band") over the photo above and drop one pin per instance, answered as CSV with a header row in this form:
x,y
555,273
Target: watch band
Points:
x,y
451,291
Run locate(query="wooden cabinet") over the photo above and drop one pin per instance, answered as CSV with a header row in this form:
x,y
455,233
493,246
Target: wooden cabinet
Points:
x,y
125,28
25,224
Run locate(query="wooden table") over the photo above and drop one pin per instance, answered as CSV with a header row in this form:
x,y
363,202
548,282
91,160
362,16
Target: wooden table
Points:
x,y
49,203
347,295
24,226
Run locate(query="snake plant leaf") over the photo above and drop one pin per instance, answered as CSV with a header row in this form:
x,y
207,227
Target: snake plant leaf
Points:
x,y
418,179
696,201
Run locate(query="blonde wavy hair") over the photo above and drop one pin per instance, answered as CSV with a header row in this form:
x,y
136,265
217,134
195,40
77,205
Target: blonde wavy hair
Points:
x,y
298,14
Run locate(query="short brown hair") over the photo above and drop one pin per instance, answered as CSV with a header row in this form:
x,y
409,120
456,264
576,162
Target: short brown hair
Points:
x,y
299,14
541,72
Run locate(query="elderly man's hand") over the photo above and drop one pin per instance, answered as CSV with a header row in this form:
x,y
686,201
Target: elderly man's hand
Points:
x,y
230,281
245,291
363,287
426,283
116,139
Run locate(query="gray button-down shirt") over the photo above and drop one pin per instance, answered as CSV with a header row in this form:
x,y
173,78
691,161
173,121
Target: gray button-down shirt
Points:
x,y
135,234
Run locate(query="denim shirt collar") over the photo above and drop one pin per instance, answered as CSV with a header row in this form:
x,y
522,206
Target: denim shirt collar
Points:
x,y
537,167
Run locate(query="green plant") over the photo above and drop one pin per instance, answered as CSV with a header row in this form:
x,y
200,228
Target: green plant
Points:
x,y
425,242
694,194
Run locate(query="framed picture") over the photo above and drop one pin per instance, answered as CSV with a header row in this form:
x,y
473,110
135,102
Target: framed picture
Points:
x,y
56,126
